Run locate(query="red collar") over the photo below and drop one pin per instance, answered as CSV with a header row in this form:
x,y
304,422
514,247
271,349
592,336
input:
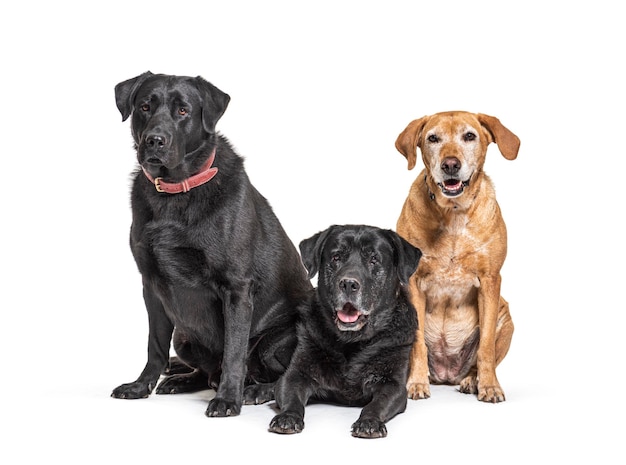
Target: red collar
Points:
x,y
205,175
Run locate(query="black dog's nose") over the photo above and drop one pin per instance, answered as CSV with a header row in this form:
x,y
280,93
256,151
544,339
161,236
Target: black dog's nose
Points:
x,y
349,285
451,165
156,141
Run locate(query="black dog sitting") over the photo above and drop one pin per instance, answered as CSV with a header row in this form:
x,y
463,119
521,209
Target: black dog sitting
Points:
x,y
220,274
356,332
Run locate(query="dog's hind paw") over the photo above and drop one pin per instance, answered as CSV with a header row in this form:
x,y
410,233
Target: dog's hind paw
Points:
x,y
176,367
369,429
256,394
469,385
182,383
417,391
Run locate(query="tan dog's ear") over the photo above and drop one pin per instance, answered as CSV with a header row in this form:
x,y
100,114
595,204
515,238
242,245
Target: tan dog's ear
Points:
x,y
408,140
508,143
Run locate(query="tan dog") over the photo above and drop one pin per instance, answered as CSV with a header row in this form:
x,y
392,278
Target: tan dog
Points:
x,y
452,215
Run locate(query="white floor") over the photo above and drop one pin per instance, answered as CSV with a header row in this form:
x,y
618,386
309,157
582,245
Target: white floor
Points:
x,y
537,424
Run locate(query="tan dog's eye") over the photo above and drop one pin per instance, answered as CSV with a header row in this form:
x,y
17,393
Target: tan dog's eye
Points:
x,y
433,138
469,136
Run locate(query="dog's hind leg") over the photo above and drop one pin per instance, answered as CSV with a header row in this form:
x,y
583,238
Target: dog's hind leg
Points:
x,y
504,331
176,367
196,368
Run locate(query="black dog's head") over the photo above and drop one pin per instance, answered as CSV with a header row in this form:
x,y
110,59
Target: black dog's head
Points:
x,y
172,117
360,268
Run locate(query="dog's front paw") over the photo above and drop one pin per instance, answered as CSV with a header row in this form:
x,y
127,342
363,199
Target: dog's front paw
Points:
x,y
287,423
368,429
222,408
418,390
132,391
492,394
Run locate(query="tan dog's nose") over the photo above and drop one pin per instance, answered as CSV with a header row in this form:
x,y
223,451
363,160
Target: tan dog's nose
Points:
x,y
451,165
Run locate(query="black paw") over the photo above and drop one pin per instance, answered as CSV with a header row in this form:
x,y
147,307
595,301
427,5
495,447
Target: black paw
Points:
x,y
287,423
369,429
176,367
256,394
187,382
222,408
132,391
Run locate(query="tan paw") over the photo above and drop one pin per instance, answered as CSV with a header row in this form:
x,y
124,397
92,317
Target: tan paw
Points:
x,y
418,391
493,394
469,385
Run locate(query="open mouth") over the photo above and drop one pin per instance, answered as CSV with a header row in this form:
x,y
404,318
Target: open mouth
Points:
x,y
453,187
350,318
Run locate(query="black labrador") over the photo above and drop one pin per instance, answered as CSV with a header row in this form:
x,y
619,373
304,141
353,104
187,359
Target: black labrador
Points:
x,y
221,278
356,331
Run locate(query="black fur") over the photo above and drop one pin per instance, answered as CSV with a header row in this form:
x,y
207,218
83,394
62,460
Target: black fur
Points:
x,y
356,331
220,276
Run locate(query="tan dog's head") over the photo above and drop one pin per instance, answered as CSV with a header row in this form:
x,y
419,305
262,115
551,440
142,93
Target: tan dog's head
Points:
x,y
454,146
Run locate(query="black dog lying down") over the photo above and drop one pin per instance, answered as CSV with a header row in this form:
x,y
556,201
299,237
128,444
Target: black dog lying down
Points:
x,y
220,274
356,332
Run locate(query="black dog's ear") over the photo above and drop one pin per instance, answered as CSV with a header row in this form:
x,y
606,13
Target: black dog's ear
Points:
x,y
214,103
125,93
407,257
311,251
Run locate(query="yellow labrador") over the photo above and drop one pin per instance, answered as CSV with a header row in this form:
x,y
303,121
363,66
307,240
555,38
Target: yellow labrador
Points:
x,y
452,215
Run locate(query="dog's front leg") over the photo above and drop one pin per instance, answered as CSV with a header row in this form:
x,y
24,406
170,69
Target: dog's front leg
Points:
x,y
418,384
389,400
489,389
237,320
159,338
293,390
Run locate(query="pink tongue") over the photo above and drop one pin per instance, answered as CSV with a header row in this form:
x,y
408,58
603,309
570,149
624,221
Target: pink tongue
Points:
x,y
348,314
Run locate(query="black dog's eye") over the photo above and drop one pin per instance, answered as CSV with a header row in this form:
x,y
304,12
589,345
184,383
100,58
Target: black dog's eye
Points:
x,y
182,111
373,260
335,257
433,138
469,136
145,107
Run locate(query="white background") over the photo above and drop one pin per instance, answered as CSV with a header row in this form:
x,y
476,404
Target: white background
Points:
x,y
320,90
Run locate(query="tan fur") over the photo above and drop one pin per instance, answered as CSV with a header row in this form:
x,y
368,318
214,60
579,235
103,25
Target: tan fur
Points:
x,y
456,288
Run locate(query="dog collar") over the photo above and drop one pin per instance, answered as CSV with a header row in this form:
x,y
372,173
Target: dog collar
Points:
x,y
205,175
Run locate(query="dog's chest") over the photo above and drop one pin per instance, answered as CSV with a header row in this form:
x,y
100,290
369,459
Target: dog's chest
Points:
x,y
451,262
172,251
